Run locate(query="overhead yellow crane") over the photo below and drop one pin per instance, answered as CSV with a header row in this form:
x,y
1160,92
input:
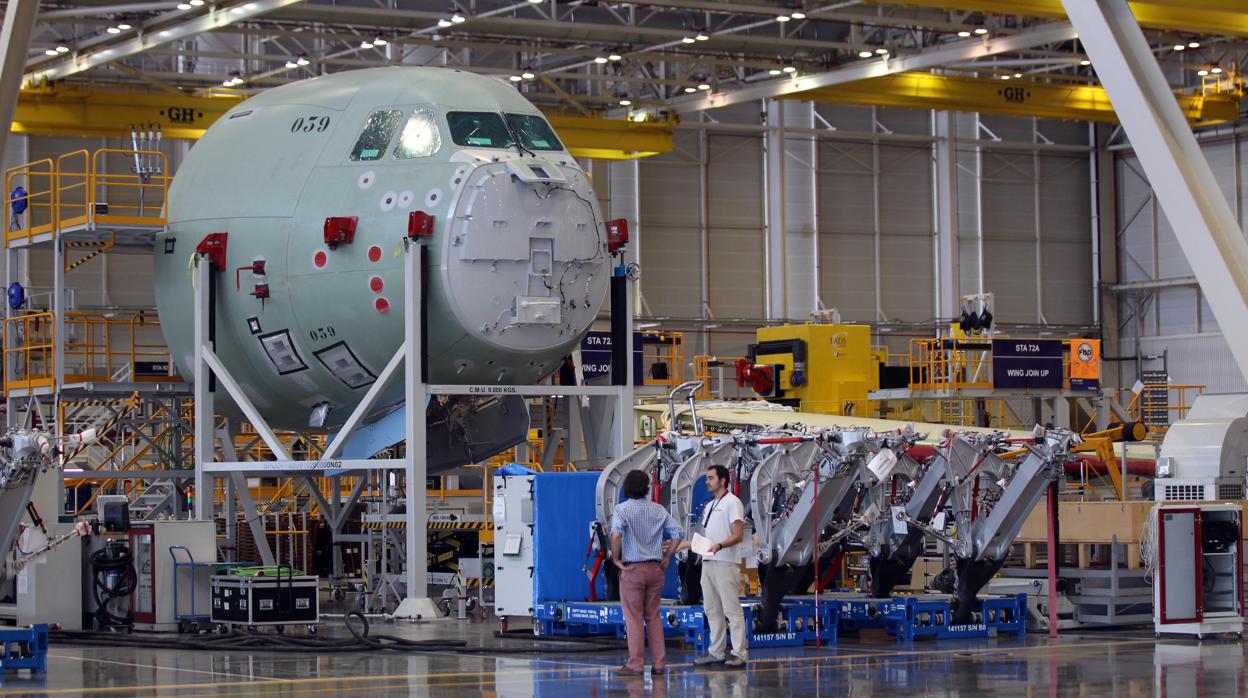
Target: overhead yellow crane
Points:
x,y
1011,97
89,112
1221,17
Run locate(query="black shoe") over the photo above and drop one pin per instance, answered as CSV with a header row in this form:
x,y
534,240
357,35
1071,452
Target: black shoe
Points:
x,y
657,672
735,663
625,671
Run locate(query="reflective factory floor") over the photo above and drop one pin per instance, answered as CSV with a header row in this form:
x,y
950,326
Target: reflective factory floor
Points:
x,y
1127,663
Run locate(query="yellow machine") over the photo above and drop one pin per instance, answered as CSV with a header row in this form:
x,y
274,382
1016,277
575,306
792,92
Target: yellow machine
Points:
x,y
824,368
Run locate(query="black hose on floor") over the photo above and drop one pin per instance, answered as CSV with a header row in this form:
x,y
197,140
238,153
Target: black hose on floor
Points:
x,y
362,640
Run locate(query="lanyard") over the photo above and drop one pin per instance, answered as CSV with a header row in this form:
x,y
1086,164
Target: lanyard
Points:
x,y
707,519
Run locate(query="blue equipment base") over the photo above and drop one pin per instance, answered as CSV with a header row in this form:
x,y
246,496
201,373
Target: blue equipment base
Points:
x,y
25,648
911,617
579,618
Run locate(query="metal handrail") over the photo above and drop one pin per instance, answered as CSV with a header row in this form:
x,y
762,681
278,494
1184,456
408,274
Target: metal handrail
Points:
x,y
29,345
143,183
35,199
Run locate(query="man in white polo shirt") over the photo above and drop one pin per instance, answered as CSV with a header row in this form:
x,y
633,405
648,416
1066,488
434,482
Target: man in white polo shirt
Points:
x,y
723,523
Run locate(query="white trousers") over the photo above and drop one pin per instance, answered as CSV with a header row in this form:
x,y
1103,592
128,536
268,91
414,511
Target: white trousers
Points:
x,y
721,600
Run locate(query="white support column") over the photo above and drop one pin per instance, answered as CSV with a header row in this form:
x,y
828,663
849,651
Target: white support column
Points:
x,y
945,183
776,222
1169,154
203,396
19,24
415,395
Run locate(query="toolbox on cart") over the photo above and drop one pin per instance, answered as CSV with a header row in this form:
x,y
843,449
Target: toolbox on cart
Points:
x,y
277,600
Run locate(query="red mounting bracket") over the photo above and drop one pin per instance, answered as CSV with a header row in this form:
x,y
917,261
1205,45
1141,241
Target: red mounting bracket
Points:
x,y
617,234
213,245
340,230
420,224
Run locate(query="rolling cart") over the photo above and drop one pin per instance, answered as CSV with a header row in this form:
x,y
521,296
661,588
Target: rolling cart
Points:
x,y
193,622
273,596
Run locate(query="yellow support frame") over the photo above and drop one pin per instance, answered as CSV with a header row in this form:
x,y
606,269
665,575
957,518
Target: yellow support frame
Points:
x,y
1011,97
1220,17
88,112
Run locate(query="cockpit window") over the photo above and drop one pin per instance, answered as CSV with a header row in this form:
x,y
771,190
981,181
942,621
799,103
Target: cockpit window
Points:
x,y
420,136
378,129
478,129
534,132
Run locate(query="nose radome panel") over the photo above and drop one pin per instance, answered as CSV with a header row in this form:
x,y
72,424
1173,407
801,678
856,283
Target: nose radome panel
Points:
x,y
524,263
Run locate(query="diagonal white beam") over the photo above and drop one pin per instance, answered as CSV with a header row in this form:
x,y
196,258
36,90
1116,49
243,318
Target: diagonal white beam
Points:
x,y
215,18
968,49
19,24
1163,141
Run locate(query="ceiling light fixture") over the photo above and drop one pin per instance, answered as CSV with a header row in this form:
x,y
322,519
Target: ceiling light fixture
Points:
x,y
774,71
114,30
1085,62
1202,72
50,51
378,41
1216,71
458,18
790,69
964,34
527,75
600,59
704,87
196,3
291,64
366,44
865,54
690,90
1179,47
62,48
981,31
625,102
798,14
615,57
184,6
302,61
1018,75
1005,77
515,78
881,51
1193,44
444,23
702,36
783,18
687,39
124,27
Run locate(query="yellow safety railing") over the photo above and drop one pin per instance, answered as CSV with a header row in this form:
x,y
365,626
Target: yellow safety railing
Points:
x,y
128,199
87,188
707,370
38,180
668,351
1149,407
73,188
89,351
29,351
945,363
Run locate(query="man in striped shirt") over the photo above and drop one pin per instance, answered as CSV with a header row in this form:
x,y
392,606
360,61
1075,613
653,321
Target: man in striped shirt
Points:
x,y
638,528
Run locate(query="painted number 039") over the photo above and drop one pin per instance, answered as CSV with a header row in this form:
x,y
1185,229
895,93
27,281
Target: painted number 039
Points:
x,y
322,333
311,124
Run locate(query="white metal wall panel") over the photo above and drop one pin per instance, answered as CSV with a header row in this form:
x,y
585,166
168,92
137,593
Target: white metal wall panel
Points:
x,y
670,232
906,232
735,188
1009,213
847,228
1065,239
1136,209
1191,360
799,211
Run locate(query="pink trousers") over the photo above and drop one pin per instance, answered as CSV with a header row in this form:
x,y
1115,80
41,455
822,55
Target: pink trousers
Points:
x,y
641,587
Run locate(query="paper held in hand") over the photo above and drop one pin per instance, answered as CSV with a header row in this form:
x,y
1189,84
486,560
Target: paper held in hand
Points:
x,y
700,544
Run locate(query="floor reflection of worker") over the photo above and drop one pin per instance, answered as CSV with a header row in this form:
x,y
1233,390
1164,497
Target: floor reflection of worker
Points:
x,y
726,684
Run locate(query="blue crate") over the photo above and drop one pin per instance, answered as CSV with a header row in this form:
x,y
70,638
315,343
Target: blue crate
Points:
x,y
25,648
581,618
912,617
